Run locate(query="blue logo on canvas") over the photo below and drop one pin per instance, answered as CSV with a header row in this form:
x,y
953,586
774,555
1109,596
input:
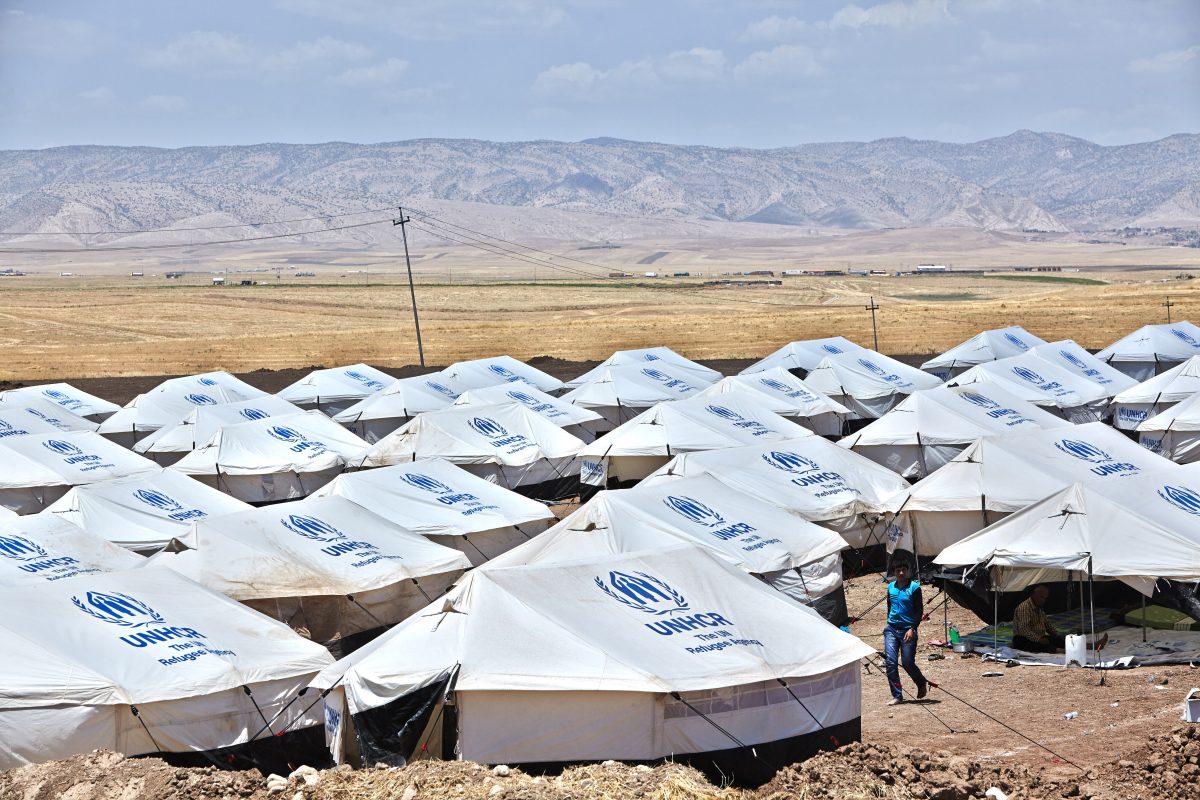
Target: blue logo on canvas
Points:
x,y
317,530
725,413
1186,337
285,434
828,348
505,373
979,400
200,400
64,449
790,462
657,375
1014,340
521,397
783,388
1072,359
365,380
650,357
253,413
18,548
7,429
1182,498
643,592
692,509
425,482
206,382
158,500
1027,374
440,389
871,366
118,609
488,427
1105,465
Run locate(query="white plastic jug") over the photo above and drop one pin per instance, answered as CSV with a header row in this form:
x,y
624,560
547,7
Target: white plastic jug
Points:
x,y
1076,647
1191,706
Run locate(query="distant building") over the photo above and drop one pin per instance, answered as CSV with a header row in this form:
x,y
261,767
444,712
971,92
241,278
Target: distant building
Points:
x,y
932,268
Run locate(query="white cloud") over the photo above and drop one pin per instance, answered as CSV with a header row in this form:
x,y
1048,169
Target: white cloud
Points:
x,y
698,64
165,103
441,19
100,96
220,53
775,29
1166,62
788,61
325,50
22,32
384,73
896,14
581,79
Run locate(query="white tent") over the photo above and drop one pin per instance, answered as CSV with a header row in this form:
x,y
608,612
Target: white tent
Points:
x,y
447,504
35,414
40,468
1073,358
326,565
573,419
619,393
143,661
170,443
44,547
1152,349
651,439
867,383
335,389
932,426
66,397
1001,474
1174,433
797,557
143,512
804,356
981,348
658,654
167,405
374,417
788,396
482,372
506,443
662,357
277,458
811,477
1044,384
1153,396
17,421
1079,530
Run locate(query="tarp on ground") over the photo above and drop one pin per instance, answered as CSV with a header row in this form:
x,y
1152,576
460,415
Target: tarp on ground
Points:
x,y
45,547
663,357
334,389
201,669
930,427
1152,349
481,372
867,383
1137,404
67,397
980,348
803,356
202,422
1044,384
143,512
788,396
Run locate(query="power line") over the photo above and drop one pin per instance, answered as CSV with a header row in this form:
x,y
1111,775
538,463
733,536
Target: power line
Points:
x,y
116,231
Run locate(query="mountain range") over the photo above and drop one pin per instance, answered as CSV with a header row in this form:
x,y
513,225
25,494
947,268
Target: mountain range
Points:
x,y
1023,181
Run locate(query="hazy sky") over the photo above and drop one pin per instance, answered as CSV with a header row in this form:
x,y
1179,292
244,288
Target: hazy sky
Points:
x,y
759,73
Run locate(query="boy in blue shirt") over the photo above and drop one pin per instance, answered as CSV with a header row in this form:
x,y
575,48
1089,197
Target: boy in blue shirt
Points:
x,y
904,611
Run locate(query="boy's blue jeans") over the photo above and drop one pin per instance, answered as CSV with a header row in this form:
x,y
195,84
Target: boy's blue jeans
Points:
x,y
893,641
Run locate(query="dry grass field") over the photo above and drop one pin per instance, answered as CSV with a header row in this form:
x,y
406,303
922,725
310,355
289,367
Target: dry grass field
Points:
x,y
356,306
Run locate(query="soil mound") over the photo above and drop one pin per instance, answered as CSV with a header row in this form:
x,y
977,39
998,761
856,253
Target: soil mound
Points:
x,y
1169,766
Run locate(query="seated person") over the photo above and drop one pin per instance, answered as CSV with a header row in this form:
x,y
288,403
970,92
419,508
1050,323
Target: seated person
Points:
x,y
1032,631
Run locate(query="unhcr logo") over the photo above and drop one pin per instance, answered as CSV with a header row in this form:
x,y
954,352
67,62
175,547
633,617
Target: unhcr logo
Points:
x,y
725,413
1182,498
650,357
692,509
1016,341
7,429
118,609
285,434
1186,337
63,399
158,500
64,449
643,592
206,382
200,400
488,427
253,413
828,348
790,462
657,375
1027,374
425,482
440,389
18,548
521,397
1105,465
979,400
317,530
505,373
871,366
365,380
1072,359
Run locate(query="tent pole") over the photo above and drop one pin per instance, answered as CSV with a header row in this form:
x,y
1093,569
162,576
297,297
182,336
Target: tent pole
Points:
x,y
945,611
995,616
1092,604
1143,617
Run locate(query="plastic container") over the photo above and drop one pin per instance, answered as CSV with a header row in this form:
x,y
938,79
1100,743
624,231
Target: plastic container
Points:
x,y
955,638
1191,706
1076,647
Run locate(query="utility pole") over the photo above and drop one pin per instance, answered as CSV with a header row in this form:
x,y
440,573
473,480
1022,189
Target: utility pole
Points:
x,y
874,331
402,222
1167,305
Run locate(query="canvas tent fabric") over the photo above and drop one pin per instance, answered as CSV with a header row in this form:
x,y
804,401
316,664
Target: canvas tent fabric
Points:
x,y
867,383
505,443
170,443
277,458
571,418
930,427
482,372
447,504
157,409
1001,474
326,564
788,396
336,389
34,415
1073,358
83,651
810,477
1044,384
66,397
143,512
40,468
16,420
1078,530
615,638
642,445
758,538
1153,396
661,357
374,417
1174,433
980,348
803,357
1153,349
619,393
46,548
